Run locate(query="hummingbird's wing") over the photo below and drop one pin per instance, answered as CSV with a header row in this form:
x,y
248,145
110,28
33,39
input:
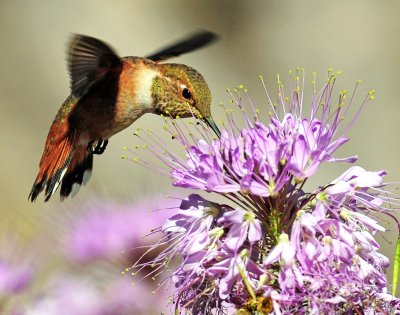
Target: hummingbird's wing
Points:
x,y
193,42
89,61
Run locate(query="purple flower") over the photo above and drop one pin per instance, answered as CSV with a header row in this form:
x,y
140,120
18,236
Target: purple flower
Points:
x,y
276,248
242,226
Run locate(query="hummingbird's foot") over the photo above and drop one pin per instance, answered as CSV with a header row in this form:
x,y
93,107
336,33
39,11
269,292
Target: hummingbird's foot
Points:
x,y
98,148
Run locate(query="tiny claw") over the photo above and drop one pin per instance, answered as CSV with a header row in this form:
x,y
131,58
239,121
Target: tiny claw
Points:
x,y
90,146
99,148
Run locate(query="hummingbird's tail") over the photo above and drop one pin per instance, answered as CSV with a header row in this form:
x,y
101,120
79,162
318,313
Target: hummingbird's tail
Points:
x,y
62,163
78,172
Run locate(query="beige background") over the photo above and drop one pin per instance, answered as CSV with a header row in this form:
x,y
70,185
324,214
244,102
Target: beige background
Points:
x,y
360,38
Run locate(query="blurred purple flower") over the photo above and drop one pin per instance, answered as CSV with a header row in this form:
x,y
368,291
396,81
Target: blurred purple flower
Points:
x,y
107,229
67,294
14,277
17,271
281,250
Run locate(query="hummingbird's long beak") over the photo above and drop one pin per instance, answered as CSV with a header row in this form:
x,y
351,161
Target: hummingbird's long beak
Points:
x,y
211,123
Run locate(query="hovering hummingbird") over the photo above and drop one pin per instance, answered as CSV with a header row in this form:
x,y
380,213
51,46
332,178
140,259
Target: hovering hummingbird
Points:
x,y
109,93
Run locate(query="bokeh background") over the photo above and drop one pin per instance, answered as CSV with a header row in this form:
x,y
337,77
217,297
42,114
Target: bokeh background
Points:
x,y
359,38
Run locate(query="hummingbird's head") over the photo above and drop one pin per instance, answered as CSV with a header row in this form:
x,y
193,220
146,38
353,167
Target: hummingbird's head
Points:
x,y
181,91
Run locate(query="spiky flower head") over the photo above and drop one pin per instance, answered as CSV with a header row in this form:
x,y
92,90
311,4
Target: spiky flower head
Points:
x,y
277,248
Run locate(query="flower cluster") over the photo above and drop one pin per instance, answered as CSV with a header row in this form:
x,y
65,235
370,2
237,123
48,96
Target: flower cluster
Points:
x,y
332,259
277,249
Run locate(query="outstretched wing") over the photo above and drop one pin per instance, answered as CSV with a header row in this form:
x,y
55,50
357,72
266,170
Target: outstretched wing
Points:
x,y
89,61
193,42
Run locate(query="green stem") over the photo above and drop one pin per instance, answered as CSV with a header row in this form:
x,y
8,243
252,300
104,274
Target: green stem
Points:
x,y
396,268
247,283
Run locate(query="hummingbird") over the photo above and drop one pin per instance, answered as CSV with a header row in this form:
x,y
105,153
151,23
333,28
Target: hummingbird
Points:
x,y
108,94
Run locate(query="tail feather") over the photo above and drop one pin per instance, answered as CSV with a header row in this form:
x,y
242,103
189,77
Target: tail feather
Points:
x,y
53,166
78,172
56,179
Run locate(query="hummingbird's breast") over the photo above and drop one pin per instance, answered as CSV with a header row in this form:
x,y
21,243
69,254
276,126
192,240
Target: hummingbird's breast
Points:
x,y
135,91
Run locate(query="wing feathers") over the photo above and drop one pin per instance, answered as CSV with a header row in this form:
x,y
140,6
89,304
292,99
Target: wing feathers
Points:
x,y
89,61
192,42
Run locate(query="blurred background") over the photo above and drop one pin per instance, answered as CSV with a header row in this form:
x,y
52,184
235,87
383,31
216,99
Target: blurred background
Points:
x,y
359,38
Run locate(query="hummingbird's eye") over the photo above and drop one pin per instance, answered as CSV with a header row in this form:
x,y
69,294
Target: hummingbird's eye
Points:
x,y
186,94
